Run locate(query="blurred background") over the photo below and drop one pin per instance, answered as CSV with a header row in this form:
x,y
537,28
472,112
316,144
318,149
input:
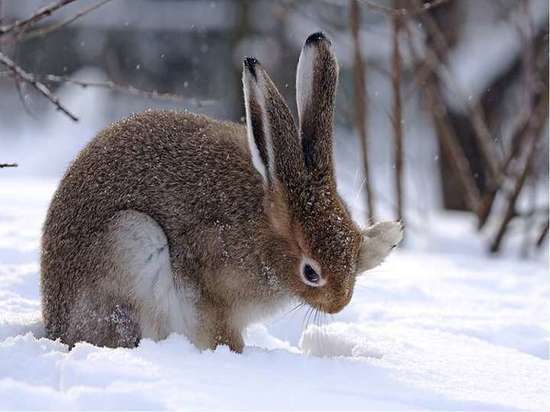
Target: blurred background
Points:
x,y
442,105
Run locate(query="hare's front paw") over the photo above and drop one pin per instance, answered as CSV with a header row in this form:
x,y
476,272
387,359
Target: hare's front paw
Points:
x,y
378,242
386,233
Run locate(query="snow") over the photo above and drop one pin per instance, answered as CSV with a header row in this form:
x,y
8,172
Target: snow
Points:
x,y
439,326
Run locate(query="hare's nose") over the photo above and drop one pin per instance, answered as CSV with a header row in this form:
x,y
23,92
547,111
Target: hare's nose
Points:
x,y
340,301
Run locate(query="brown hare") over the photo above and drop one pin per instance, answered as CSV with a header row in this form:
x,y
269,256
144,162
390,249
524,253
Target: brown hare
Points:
x,y
175,222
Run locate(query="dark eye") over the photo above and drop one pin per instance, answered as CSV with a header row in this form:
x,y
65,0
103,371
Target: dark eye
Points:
x,y
310,274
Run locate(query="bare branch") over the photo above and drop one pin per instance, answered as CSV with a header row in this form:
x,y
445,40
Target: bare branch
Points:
x,y
21,25
397,118
543,234
531,122
481,131
40,87
47,30
529,141
18,86
533,125
445,132
361,103
126,89
513,198
400,11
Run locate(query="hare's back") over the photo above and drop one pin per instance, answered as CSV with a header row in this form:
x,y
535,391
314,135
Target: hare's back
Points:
x,y
165,153
181,169
168,138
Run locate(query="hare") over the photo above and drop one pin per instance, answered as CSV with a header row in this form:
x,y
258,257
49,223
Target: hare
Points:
x,y
175,222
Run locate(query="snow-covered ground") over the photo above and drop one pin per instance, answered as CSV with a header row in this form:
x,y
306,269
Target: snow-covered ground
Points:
x,y
439,326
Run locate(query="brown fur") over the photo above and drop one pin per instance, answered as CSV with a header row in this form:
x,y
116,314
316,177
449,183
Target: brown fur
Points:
x,y
189,173
233,238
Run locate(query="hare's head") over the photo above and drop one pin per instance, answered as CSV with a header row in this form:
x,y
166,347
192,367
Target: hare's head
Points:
x,y
296,164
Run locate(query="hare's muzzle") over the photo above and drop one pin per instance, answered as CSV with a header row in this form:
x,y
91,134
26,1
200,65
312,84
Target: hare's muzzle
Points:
x,y
333,298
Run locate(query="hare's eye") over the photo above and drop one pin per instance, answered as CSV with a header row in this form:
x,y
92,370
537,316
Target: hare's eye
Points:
x,y
310,274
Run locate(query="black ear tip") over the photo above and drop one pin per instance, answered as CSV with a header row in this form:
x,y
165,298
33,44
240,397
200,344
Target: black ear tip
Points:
x,y
250,63
316,37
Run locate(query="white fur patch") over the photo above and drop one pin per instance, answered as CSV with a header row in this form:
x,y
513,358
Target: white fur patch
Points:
x,y
141,251
254,152
261,90
304,79
256,88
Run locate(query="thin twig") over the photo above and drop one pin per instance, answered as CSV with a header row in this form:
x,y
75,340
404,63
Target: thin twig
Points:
x,y
513,198
481,131
530,141
119,88
397,118
125,89
47,30
46,11
543,234
399,11
445,132
18,87
533,124
361,103
40,87
530,90
534,119
530,122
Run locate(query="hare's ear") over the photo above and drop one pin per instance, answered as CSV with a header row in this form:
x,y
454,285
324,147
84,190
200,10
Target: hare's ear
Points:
x,y
316,80
272,134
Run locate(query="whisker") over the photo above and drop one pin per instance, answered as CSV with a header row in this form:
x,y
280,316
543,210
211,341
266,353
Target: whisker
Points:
x,y
320,339
315,336
287,313
359,190
305,322
323,324
295,308
311,314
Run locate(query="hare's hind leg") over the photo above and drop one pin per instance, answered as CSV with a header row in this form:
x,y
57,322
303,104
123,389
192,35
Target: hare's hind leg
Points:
x,y
138,296
141,260
120,308
104,321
